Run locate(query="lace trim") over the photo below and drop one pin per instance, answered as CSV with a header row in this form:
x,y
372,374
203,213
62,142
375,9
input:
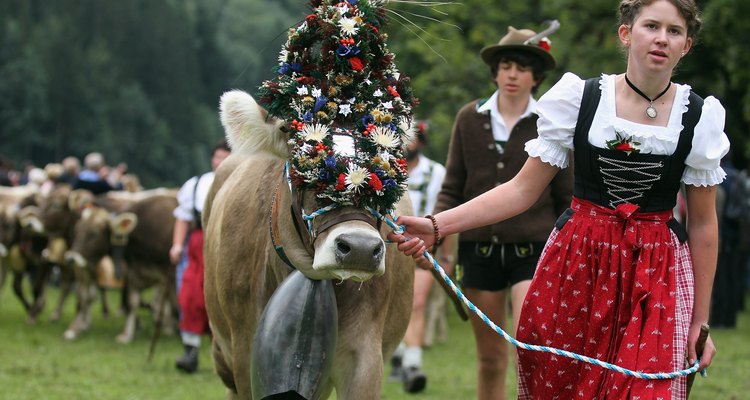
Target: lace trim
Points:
x,y
703,177
618,178
549,152
670,133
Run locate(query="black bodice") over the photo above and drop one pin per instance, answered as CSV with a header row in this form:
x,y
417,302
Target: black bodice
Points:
x,y
611,177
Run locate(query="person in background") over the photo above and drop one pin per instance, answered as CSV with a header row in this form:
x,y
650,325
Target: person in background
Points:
x,y
619,280
94,175
187,229
486,150
425,179
71,169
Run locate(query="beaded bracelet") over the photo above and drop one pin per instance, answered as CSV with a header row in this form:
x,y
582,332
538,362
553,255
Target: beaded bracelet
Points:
x,y
435,230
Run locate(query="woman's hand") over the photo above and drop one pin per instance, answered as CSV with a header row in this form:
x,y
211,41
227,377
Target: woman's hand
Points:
x,y
709,351
416,239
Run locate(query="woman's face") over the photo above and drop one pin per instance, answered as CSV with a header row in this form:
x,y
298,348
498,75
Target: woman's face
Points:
x,y
514,80
658,39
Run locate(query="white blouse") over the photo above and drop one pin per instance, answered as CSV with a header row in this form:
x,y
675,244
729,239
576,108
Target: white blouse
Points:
x,y
558,114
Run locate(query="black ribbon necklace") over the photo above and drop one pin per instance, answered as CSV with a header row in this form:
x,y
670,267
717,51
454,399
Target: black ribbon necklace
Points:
x,y
650,110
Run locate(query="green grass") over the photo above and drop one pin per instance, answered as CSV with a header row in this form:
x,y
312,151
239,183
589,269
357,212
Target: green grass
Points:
x,y
36,363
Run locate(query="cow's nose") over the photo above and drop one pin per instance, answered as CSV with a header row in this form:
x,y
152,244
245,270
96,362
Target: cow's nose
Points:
x,y
359,251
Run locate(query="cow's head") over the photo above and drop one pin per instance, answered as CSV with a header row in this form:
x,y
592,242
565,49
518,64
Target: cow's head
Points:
x,y
97,233
345,241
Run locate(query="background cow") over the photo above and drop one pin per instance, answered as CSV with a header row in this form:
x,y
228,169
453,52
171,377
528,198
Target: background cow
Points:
x,y
242,269
142,236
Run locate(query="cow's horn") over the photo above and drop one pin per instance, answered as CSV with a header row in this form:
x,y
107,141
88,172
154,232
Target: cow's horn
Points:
x,y
248,127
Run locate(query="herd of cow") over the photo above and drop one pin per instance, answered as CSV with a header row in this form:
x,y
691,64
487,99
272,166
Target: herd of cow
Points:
x,y
78,234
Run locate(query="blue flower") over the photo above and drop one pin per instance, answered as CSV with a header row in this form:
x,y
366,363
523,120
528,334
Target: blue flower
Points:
x,y
393,127
343,51
353,2
324,175
367,119
287,68
307,117
320,101
379,172
330,162
389,183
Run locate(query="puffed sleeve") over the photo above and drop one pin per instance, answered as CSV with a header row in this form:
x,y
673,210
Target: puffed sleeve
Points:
x,y
558,114
710,145
184,210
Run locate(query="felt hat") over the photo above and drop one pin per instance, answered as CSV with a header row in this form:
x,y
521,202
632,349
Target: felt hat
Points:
x,y
522,40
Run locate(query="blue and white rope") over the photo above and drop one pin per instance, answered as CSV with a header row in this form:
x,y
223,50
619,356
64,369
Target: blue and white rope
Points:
x,y
662,375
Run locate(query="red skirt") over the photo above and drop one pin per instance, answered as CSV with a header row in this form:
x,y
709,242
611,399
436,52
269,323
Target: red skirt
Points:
x,y
615,285
191,298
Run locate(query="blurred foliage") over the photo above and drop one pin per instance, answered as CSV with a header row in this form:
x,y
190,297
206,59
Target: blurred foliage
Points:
x,y
139,80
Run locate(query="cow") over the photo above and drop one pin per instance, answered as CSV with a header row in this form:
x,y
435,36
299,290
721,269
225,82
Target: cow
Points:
x,y
22,242
242,269
138,240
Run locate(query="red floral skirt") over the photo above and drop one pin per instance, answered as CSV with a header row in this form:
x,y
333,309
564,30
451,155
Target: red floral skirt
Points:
x,y
615,285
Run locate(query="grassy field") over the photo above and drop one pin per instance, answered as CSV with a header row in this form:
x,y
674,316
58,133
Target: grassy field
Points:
x,y
36,363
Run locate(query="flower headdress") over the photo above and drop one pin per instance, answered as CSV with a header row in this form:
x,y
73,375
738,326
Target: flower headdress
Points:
x,y
346,105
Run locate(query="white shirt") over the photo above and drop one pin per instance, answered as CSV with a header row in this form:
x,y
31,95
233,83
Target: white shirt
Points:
x,y
184,210
558,114
417,178
500,131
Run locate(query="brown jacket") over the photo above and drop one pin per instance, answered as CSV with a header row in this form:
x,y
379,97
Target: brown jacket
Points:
x,y
474,166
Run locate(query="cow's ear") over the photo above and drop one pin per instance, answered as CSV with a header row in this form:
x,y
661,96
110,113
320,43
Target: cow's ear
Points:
x,y
28,217
80,199
124,223
248,127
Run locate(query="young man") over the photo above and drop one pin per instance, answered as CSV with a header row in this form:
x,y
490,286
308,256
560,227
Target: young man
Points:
x,y
486,150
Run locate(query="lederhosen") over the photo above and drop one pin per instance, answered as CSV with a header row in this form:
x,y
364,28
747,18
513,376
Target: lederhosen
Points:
x,y
615,278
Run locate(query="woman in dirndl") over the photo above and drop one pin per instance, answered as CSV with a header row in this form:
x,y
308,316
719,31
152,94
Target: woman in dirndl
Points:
x,y
620,280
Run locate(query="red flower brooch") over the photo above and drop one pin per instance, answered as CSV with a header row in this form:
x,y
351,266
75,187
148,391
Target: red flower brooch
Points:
x,y
626,145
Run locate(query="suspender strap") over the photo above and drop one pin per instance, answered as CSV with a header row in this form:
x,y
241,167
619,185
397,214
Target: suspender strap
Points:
x,y
196,213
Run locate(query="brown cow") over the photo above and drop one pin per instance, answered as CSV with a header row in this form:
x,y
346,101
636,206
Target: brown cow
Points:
x,y
243,270
143,236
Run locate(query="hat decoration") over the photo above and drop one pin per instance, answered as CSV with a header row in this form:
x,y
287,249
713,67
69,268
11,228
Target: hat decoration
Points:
x,y
346,106
524,40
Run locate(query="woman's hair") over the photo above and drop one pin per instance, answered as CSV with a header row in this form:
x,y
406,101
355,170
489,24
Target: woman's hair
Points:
x,y
524,59
629,10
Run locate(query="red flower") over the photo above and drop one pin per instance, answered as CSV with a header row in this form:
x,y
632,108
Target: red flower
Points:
x,y
624,147
393,91
373,28
545,45
341,182
375,182
356,63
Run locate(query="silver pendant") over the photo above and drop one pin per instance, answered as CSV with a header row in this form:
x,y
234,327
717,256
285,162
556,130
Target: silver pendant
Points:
x,y
651,112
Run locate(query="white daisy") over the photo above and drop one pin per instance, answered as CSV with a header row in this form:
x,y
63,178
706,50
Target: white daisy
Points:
x,y
316,132
377,93
302,91
387,105
345,109
356,176
316,92
342,8
384,137
409,130
348,26
352,100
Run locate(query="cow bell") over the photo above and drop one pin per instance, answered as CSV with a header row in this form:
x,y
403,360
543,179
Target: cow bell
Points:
x,y
294,344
